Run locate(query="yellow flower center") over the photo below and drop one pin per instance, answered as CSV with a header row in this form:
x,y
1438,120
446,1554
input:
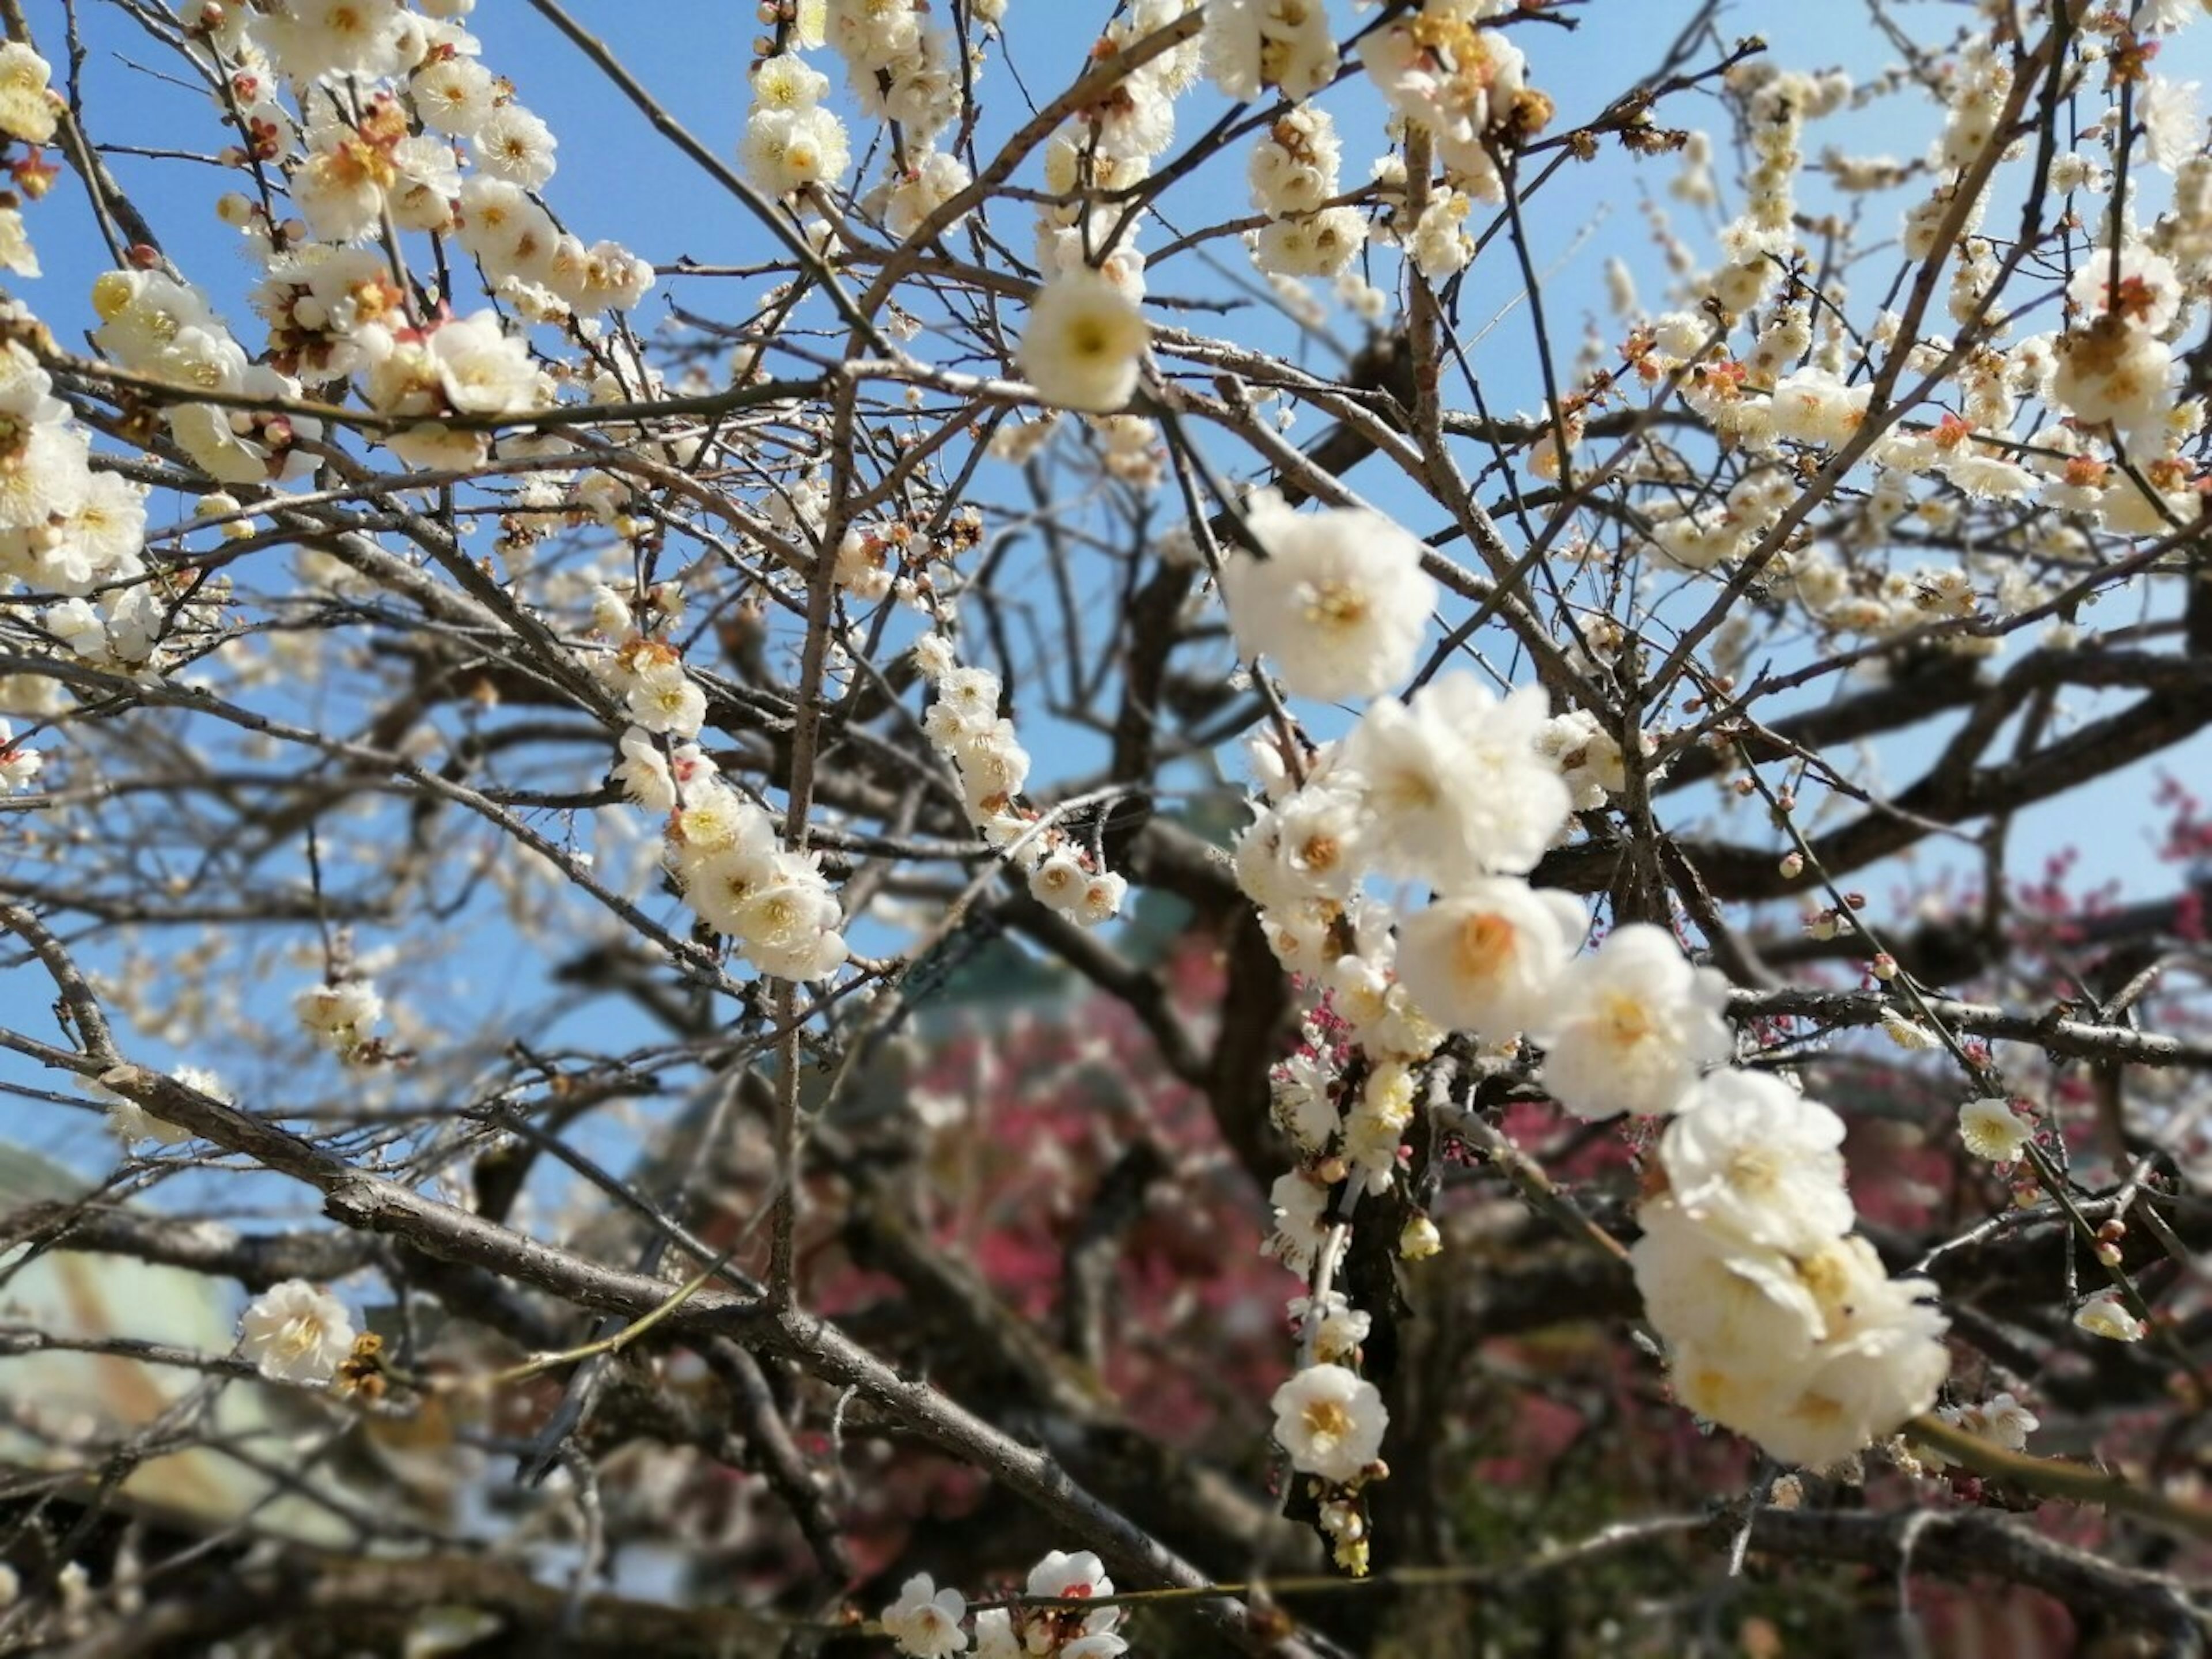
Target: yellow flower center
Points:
x,y
1485,941
1327,1422
1335,605
1627,1020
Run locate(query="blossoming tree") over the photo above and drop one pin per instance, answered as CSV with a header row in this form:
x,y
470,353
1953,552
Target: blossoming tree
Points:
x,y
1059,898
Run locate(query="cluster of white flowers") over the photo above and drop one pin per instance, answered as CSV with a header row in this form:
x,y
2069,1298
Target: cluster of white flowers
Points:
x,y
1761,242
65,527
384,158
547,274
28,113
293,1333
1253,45
908,198
963,724
792,139
2114,448
900,68
153,324
2114,368
925,1622
1293,176
774,905
467,366
1083,344
389,156
1467,86
1780,1322
1330,1421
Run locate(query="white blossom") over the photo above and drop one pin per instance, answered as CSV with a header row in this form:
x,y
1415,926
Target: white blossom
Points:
x,y
293,1333
1633,1024
925,1620
1083,342
1340,605
2106,1314
1454,781
1749,1158
1331,1421
1487,958
1990,1128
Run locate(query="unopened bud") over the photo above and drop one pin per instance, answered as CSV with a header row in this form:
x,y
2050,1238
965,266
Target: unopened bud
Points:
x,y
1420,1240
1884,966
1793,865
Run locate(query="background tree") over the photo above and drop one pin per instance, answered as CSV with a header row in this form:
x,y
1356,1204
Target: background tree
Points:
x,y
1054,893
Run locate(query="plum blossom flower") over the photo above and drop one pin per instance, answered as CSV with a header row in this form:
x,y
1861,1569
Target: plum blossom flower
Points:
x,y
514,144
293,1333
1253,44
1990,1128
2107,1314
1331,1422
1457,786
1339,604
925,1620
1884,1367
1814,1357
1726,1299
27,110
2172,130
1071,1631
339,1016
1063,1575
1485,959
1083,342
1298,1202
1749,1158
18,764
1420,1239
308,38
2002,1421
1632,1025
786,150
